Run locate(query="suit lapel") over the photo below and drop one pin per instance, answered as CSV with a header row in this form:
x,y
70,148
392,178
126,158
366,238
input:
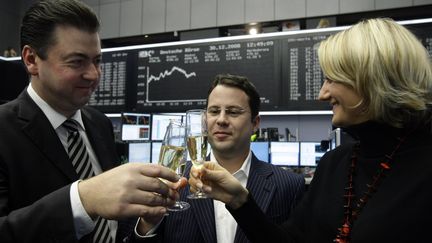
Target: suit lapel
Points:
x,y
204,215
203,211
97,140
38,128
260,187
258,184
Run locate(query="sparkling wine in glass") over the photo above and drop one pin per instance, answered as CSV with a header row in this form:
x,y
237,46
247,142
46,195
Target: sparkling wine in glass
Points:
x,y
196,127
173,154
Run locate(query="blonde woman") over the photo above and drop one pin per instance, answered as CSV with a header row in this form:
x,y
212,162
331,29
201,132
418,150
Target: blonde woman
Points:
x,y
379,82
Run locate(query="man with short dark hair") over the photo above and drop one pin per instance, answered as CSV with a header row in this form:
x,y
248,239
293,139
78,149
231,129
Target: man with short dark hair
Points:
x,y
54,149
233,105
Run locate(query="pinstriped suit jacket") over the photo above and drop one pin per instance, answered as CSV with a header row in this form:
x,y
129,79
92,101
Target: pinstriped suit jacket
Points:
x,y
275,190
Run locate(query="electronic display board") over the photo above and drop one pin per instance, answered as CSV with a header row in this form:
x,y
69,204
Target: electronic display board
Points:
x,y
175,76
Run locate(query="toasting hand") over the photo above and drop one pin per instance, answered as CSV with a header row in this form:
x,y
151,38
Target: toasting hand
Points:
x,y
133,189
219,184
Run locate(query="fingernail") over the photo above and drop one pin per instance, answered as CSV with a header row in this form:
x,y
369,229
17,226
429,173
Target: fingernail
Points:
x,y
206,189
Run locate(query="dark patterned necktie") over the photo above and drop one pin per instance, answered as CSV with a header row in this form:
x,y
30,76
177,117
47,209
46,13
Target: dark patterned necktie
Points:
x,y
80,158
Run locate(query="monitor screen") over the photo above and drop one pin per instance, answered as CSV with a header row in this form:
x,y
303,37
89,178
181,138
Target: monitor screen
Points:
x,y
285,153
335,138
310,153
160,123
139,152
155,149
135,126
116,121
261,150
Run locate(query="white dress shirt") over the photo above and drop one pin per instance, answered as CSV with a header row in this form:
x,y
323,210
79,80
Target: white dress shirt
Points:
x,y
82,221
226,225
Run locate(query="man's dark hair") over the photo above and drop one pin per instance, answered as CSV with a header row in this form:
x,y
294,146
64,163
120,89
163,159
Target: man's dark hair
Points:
x,y
41,19
241,83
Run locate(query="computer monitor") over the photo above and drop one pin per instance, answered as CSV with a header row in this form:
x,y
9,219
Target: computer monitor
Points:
x,y
261,150
139,152
285,153
135,126
335,138
310,153
160,123
155,149
116,121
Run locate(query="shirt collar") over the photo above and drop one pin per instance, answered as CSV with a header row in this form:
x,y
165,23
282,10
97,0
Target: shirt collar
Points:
x,y
244,169
55,118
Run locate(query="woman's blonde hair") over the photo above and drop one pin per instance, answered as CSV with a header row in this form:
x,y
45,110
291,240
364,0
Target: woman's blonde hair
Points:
x,y
384,63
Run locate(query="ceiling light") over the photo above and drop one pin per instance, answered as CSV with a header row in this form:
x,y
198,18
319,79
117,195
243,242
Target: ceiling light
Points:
x,y
253,31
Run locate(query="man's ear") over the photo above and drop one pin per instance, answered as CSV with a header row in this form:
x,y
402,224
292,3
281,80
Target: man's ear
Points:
x,y
28,56
256,123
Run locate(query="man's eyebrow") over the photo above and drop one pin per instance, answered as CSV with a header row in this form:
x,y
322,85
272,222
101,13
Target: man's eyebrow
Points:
x,y
227,107
81,55
235,106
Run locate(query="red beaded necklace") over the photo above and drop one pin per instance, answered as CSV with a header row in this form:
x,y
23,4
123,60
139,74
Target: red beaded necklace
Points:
x,y
350,213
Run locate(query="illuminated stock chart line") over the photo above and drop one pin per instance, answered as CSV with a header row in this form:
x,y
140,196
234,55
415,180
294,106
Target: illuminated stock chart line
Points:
x,y
165,74
169,78
151,78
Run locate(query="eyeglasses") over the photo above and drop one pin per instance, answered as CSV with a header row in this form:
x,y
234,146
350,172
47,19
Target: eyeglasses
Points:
x,y
231,111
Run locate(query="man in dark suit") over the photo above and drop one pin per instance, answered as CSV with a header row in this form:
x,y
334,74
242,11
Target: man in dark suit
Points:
x,y
232,117
43,198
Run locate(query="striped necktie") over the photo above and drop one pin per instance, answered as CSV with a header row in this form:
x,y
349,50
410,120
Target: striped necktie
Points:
x,y
80,158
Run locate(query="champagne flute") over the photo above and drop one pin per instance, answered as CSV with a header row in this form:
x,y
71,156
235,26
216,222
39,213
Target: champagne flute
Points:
x,y
196,127
173,155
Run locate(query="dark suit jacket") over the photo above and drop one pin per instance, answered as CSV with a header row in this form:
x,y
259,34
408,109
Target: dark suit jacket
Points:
x,y
36,173
275,190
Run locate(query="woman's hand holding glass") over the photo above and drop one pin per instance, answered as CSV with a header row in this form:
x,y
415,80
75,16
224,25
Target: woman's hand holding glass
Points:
x,y
218,184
